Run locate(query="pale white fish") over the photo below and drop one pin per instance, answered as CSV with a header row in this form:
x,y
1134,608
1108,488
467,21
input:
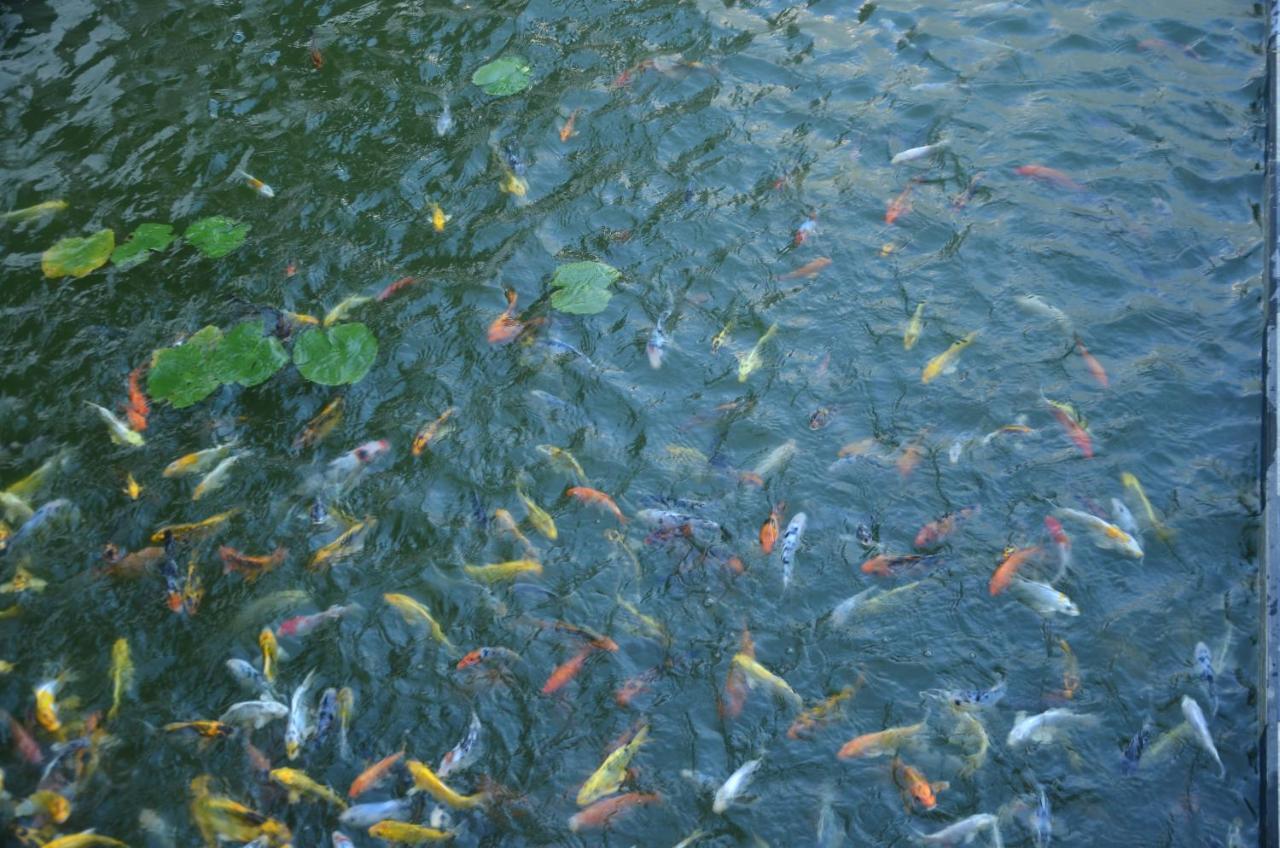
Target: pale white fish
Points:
x,y
841,614
257,713
216,478
1042,820
444,123
737,783
830,829
299,727
16,510
1204,670
1042,597
656,348
1044,727
117,429
1037,305
1105,534
1200,729
1124,518
913,153
367,815
465,752
776,459
791,544
964,831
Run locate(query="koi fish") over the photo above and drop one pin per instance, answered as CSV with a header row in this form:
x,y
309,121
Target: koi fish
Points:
x,y
721,337
438,218
256,713
915,787
85,839
821,417
1073,426
566,671
506,327
466,752
756,674
131,487
1048,175
769,530
1137,745
1008,569
822,712
428,781
505,520
1070,671
938,530
195,463
250,567
364,815
879,743
343,546
747,364
139,408
808,270
317,58
344,308
1061,542
1204,670
964,700
1106,534
964,831
899,206
656,347
791,545
602,813
499,571
270,653
608,777
30,212
633,687
23,581
1200,730
121,675
1046,726
415,613
944,360
1124,518
320,426
374,775
538,517
914,326
119,432
1037,305
301,626
805,230
392,288
430,431
1092,363
885,565
216,478
23,741
248,676
206,729
299,784
913,153
298,729
407,833
598,498
46,693
444,122
737,783
253,182
567,131
1131,482
1043,598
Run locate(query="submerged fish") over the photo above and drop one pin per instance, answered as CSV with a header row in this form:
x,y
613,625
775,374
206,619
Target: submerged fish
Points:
x,y
964,831
753,359
912,334
791,545
737,783
195,463
1046,726
608,777
1200,730
656,348
940,363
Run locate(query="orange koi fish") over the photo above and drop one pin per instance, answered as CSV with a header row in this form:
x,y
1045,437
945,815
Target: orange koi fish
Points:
x,y
1048,175
430,431
769,530
602,813
879,743
634,687
567,131
138,409
251,567
373,775
317,58
883,565
567,670
899,206
595,496
936,531
1079,435
506,327
808,270
914,787
1008,569
1091,362
402,283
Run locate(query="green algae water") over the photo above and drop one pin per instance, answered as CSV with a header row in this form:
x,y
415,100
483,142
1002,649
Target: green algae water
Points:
x,y
1088,216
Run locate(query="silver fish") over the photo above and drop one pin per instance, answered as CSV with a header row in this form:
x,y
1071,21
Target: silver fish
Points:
x,y
1124,518
791,544
737,783
341,840
1044,726
1042,597
215,479
830,829
965,830
367,815
465,752
1200,729
656,348
1204,670
664,519
257,713
299,728
38,519
444,123
913,153
249,677
1137,746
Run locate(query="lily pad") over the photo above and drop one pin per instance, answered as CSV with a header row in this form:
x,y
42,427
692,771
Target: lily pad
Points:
x,y
504,76
247,356
340,354
76,257
184,375
143,240
582,288
216,236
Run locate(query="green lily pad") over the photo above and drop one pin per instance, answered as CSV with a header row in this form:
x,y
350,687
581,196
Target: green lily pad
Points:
x,y
582,288
247,356
137,249
340,354
76,257
184,375
504,76
216,236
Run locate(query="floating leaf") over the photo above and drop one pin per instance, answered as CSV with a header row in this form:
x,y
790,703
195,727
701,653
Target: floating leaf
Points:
x,y
582,288
216,236
504,76
247,356
340,354
75,257
145,238
184,375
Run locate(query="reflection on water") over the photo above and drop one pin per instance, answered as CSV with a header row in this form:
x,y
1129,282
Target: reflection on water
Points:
x,y
972,287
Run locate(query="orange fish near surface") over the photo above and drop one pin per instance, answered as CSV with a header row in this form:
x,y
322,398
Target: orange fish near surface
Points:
x,y
1091,362
914,786
899,206
392,288
1008,569
602,813
251,567
506,327
138,408
936,531
429,432
769,530
567,670
317,58
567,131
373,775
1048,175
808,270
1078,434
883,565
596,497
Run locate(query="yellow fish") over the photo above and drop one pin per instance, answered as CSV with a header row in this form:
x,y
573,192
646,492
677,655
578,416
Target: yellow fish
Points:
x,y
121,675
912,335
650,625
221,819
181,531
84,839
503,570
607,779
44,802
538,517
27,213
758,674
339,547
753,358
438,218
46,694
321,425
344,308
513,184
1131,482
821,712
426,780
565,460
131,487
299,784
718,340
23,581
29,485
415,613
195,463
6,667
944,359
430,431
270,653
408,834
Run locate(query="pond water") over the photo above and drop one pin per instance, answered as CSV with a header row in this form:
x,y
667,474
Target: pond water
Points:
x,y
1084,233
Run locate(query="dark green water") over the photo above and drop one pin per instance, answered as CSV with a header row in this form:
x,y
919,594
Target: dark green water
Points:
x,y
139,111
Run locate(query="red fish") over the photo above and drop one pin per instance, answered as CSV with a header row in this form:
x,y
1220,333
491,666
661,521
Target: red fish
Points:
x,y
403,282
138,408
899,206
602,813
1048,175
506,327
1091,362
567,670
1077,433
936,531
